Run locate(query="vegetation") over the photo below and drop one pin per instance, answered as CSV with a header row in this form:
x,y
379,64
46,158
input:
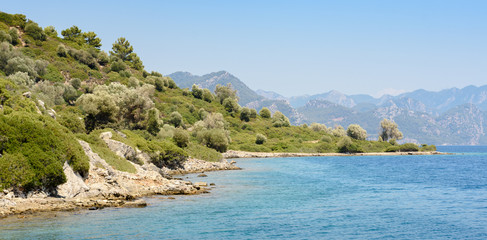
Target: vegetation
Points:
x,y
56,90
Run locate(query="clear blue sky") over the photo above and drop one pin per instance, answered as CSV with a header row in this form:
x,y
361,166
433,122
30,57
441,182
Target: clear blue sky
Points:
x,y
293,47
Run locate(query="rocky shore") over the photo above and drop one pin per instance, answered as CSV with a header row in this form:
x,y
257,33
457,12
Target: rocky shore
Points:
x,y
242,154
108,187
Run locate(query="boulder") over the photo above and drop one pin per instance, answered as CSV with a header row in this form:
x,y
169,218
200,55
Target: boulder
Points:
x,y
74,186
200,184
119,148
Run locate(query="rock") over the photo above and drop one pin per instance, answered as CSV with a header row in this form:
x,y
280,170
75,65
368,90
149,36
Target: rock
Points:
x,y
171,198
200,184
27,94
212,184
41,103
139,203
74,186
233,162
119,148
52,113
202,175
106,135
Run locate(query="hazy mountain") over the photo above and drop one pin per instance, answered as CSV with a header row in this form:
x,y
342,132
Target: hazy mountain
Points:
x,y
270,95
209,81
451,116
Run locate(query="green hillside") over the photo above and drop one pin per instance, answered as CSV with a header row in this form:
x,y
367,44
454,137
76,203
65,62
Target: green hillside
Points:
x,y
58,87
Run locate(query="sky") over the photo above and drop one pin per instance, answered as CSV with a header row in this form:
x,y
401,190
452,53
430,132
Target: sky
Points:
x,y
293,47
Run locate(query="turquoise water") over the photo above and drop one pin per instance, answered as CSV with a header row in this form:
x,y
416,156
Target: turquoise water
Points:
x,y
398,197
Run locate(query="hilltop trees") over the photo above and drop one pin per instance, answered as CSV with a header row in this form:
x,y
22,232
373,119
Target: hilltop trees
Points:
x,y
389,130
125,52
75,34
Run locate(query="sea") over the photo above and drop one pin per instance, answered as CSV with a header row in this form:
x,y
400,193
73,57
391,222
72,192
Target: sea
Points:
x,y
363,197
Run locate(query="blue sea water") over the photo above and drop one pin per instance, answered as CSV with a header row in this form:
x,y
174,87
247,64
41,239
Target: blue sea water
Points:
x,y
393,197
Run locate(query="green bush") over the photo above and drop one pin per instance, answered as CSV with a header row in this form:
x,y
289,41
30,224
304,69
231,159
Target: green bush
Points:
x,y
181,137
171,156
279,120
207,95
215,138
197,92
260,138
265,113
427,148
231,105
61,50
356,132
71,121
44,144
32,29
245,114
176,119
201,152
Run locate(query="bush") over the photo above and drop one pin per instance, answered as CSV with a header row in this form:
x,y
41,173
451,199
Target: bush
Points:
x,y
70,95
50,31
260,139
217,139
5,37
356,132
427,148
197,92
39,146
245,114
181,137
103,58
225,92
71,121
279,120
14,34
76,83
318,127
253,113
21,79
171,156
326,139
231,105
325,147
407,147
207,95
118,66
32,29
153,122
62,51
176,119
201,152
346,145
265,113
339,131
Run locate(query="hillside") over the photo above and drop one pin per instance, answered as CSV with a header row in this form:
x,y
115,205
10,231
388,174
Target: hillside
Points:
x,y
62,98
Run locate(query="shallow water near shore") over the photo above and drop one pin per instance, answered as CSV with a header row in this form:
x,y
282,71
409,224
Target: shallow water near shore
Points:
x,y
363,197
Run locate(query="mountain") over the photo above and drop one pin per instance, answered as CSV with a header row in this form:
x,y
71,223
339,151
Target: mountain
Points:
x,y
209,81
270,94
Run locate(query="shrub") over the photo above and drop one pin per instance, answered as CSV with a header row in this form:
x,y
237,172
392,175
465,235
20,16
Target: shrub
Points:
x,y
72,34
318,127
197,92
153,122
409,147
181,137
245,114
71,121
231,105
62,51
225,92
70,94
21,79
83,57
427,148
356,132
326,139
201,152
76,83
103,58
39,148
279,120
253,113
339,131
159,84
171,156
325,147
118,66
14,34
260,139
50,31
217,139
265,113
32,29
5,37
207,95
176,119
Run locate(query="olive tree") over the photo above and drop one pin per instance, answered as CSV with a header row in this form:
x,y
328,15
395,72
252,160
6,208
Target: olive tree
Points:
x,y
389,130
356,132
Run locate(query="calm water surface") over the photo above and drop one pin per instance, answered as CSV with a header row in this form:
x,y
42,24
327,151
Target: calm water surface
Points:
x,y
398,197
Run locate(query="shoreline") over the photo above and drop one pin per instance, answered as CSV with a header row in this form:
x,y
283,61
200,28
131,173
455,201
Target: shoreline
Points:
x,y
233,154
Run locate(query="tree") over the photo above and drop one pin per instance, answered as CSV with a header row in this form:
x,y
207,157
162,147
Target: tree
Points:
x,y
122,49
197,92
153,122
280,120
356,132
181,137
260,139
176,119
35,31
72,34
92,39
265,113
224,92
389,130
245,114
339,131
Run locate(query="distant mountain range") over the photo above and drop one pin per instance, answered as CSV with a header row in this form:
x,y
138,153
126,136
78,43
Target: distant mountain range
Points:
x,y
451,116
